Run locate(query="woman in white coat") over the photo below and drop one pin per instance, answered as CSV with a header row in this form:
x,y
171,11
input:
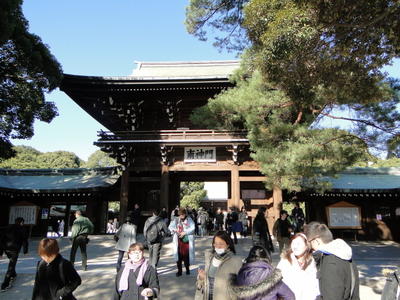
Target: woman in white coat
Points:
x,y
125,236
182,229
298,268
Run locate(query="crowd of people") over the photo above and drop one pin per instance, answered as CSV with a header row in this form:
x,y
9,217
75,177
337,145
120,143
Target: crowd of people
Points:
x,y
313,265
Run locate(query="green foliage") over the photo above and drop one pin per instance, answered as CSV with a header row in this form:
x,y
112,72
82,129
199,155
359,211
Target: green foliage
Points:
x,y
386,163
191,194
114,206
25,158
393,147
27,71
223,15
29,158
100,159
286,151
59,159
289,206
306,60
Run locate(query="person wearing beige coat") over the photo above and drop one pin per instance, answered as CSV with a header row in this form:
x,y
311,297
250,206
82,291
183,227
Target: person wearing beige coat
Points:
x,y
220,263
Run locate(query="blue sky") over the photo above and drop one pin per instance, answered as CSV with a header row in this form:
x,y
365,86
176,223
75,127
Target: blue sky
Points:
x,y
105,38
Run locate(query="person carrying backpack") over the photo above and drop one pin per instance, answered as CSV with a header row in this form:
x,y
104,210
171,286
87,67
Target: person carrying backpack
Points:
x,y
154,232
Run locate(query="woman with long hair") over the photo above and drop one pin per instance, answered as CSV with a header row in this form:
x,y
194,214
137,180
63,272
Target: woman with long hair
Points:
x,y
258,279
220,262
137,279
261,234
299,270
56,277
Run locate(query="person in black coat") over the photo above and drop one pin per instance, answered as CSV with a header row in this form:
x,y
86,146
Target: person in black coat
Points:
x,y
219,220
137,280
11,241
56,277
136,215
261,235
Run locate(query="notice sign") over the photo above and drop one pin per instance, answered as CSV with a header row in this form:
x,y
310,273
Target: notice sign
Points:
x,y
26,212
200,154
344,216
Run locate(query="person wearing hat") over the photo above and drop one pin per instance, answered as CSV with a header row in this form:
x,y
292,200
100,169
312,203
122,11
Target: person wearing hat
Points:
x,y
125,236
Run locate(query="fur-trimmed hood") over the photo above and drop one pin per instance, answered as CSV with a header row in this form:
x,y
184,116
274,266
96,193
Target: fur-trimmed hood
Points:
x,y
338,248
254,279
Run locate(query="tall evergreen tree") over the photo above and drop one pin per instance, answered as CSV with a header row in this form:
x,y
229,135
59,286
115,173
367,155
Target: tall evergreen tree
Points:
x,y
191,194
304,61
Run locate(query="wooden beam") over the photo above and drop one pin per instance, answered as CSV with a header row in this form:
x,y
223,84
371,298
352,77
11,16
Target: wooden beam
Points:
x,y
252,178
198,167
144,179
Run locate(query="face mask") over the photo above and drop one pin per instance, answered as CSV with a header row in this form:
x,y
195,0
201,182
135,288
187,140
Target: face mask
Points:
x,y
220,251
135,257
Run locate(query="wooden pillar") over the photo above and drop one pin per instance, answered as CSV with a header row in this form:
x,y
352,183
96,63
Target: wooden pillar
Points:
x,y
124,196
66,219
91,208
164,188
277,197
235,188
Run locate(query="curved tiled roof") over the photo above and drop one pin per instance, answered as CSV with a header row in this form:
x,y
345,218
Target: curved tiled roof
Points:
x,y
55,180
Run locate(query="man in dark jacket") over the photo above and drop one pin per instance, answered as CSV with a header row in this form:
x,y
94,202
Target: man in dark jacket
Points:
x,y
338,275
282,231
219,220
231,219
136,213
298,217
11,242
155,222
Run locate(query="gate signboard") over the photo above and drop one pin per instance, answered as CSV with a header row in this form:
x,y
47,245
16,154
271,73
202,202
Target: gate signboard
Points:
x,y
200,154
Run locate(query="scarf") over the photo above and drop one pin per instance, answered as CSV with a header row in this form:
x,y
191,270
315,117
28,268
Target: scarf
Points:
x,y
129,265
217,259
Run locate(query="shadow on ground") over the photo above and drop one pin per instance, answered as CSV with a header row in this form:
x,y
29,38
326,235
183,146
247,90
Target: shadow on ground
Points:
x,y
98,281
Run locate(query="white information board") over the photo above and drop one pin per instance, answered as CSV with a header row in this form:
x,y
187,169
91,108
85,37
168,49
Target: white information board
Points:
x,y
344,217
26,212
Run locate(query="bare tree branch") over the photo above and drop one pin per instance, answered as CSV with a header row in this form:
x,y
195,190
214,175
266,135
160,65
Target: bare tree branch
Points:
x,y
366,122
